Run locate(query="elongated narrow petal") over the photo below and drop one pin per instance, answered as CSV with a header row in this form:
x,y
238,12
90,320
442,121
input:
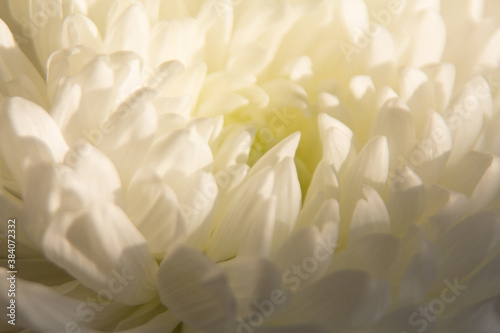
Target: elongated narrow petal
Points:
x,y
154,210
196,290
254,282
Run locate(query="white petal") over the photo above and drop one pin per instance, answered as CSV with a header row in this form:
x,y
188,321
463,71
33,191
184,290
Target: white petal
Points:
x,y
396,124
154,209
14,62
489,141
18,9
319,212
310,208
491,52
121,35
417,92
381,57
51,15
235,148
251,58
50,187
257,97
457,261
63,63
85,160
377,254
197,195
227,235
359,300
371,166
258,239
196,290
273,20
285,148
362,95
128,134
176,39
311,19
208,128
179,155
443,78
370,215
288,199
252,280
417,269
332,106
482,37
355,18
29,136
405,200
304,257
188,85
221,82
477,176
336,139
80,30
484,283
164,76
465,116
465,11
65,104
23,87
429,156
218,32
221,103
444,208
382,50
117,248
127,76
43,309
95,101
428,36
328,215
286,93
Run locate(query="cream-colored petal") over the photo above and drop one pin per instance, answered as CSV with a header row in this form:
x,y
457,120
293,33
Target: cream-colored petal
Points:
x,y
477,176
180,154
29,136
359,300
376,254
253,281
465,116
154,209
304,257
196,290
120,35
369,216
225,240
406,199
117,248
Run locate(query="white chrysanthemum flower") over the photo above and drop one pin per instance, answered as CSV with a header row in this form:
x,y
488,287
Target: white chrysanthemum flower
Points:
x,y
250,166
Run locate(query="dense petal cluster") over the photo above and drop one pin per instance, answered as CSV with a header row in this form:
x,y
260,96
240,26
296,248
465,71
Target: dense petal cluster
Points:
x,y
251,165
